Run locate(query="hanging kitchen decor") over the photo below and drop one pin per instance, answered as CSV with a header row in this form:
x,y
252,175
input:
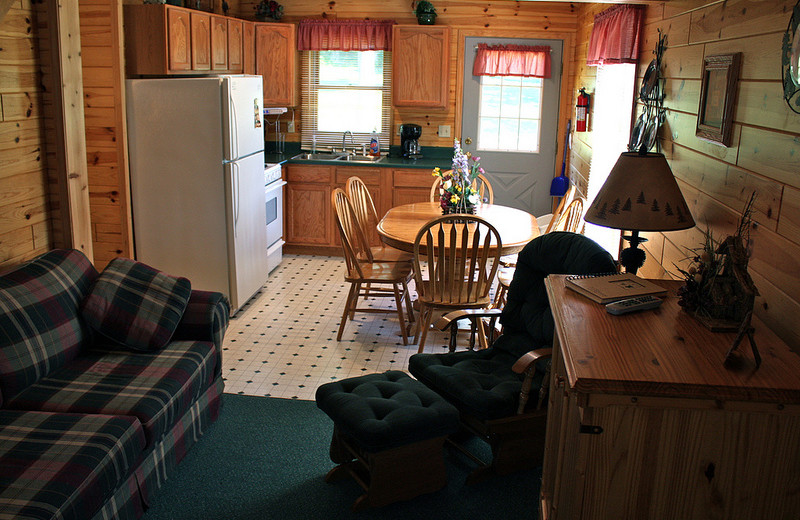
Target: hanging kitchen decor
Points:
x,y
790,61
651,94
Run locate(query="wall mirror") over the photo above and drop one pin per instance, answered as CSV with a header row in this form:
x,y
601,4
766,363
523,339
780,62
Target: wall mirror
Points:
x,y
717,98
790,61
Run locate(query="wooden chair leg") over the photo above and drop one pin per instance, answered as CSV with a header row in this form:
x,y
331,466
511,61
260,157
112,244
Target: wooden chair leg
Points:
x,y
353,293
425,323
354,304
398,299
409,306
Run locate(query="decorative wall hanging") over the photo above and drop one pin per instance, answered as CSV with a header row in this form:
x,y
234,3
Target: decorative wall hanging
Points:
x,y
717,98
651,94
790,61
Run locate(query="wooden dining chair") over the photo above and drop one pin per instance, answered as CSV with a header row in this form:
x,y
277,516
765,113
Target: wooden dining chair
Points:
x,y
485,191
572,218
461,254
384,279
367,218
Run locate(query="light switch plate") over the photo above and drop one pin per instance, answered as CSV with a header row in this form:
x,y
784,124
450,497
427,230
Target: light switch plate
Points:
x,y
444,130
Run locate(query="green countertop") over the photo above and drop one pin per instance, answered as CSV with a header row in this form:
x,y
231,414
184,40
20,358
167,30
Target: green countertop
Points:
x,y
432,157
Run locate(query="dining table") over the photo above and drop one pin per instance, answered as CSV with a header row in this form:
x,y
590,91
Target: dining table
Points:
x,y
399,227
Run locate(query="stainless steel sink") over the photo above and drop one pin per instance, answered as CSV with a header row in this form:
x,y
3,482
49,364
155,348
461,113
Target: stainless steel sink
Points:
x,y
321,156
361,158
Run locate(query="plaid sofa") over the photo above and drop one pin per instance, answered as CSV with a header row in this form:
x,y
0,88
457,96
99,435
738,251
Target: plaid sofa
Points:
x,y
89,428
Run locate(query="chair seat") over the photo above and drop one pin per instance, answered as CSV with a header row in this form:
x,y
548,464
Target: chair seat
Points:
x,y
456,302
384,272
390,254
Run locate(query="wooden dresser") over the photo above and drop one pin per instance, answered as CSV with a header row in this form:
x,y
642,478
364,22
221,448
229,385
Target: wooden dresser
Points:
x,y
645,421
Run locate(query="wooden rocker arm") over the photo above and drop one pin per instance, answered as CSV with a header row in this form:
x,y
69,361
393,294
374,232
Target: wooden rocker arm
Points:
x,y
527,365
471,314
485,336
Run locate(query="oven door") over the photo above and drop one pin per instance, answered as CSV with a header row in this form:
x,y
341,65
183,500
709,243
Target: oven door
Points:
x,y
274,205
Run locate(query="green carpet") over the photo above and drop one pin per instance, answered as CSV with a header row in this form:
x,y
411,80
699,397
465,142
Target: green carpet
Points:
x,y
267,458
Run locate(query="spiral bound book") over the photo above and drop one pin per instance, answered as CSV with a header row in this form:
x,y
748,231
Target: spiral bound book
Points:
x,y
607,288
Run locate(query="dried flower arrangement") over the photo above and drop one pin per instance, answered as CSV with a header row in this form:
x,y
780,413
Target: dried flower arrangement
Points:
x,y
718,289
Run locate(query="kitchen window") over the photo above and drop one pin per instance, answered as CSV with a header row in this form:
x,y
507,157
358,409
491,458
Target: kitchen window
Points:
x,y
345,91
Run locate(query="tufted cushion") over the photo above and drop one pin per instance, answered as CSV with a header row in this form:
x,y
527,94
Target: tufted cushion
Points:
x,y
479,383
40,325
136,305
383,411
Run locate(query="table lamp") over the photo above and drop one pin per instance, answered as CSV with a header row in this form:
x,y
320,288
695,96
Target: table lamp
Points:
x,y
640,194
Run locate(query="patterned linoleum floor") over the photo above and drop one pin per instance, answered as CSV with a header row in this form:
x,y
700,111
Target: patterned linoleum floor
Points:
x,y
282,343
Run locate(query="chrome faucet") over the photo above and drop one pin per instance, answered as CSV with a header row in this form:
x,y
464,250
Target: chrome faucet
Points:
x,y
344,137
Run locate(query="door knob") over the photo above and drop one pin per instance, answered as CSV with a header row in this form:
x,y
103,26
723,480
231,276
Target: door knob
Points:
x,y
468,140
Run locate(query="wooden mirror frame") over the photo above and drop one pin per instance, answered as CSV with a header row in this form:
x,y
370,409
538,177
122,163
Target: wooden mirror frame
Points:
x,y
717,98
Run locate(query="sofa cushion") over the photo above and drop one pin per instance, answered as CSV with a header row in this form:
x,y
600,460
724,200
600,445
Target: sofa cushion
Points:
x,y
156,387
136,305
63,465
40,325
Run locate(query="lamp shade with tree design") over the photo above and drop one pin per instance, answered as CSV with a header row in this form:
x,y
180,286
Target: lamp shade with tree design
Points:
x,y
640,194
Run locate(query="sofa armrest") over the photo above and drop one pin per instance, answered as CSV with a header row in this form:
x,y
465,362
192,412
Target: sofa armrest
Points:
x,y
205,319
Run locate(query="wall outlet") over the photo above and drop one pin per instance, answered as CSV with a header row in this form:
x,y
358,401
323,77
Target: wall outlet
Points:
x,y
290,127
444,130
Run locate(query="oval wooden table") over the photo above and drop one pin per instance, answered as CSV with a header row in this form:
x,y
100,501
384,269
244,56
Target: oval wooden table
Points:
x,y
399,227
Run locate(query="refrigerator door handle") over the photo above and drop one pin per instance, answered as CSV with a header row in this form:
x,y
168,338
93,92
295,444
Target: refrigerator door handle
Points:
x,y
234,127
235,197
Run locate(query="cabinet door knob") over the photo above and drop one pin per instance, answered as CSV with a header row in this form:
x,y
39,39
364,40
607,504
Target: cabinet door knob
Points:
x,y
468,140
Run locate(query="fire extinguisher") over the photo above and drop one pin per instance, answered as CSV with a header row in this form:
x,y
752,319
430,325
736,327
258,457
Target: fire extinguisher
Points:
x,y
582,111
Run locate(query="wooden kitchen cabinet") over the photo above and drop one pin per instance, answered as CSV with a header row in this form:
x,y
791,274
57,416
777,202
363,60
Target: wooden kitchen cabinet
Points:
x,y
645,421
276,61
168,40
420,65
410,185
309,218
249,47
201,41
219,43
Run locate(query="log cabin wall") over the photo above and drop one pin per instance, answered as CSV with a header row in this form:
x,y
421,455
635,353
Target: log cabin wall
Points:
x,y
25,223
106,144
764,155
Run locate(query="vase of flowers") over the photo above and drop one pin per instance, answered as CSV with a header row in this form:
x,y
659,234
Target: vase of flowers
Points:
x,y
458,192
268,10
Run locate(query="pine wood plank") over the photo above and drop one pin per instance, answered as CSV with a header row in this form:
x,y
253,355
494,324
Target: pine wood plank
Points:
x,y
739,19
773,154
681,128
760,60
21,214
789,223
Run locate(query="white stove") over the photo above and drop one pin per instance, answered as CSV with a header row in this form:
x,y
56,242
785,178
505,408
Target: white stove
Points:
x,y
273,191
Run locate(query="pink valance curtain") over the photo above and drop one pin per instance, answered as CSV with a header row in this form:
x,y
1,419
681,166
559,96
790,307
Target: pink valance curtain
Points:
x,y
616,34
345,35
512,60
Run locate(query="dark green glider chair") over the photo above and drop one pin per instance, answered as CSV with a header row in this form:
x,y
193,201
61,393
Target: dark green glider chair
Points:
x,y
490,387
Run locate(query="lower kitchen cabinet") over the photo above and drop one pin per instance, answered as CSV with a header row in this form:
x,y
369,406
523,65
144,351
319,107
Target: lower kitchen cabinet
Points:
x,y
310,224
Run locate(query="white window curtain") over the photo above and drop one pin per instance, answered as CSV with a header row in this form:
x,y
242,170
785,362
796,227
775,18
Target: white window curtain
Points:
x,y
613,107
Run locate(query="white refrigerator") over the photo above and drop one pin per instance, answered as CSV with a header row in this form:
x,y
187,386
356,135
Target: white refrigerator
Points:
x,y
196,149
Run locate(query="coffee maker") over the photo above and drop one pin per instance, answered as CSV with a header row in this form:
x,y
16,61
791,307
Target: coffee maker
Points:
x,y
409,141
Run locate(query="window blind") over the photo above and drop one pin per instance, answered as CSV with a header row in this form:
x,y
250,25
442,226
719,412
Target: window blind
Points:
x,y
311,93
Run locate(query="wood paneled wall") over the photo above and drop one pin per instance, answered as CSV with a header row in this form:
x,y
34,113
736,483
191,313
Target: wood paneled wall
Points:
x,y
764,155
24,215
106,143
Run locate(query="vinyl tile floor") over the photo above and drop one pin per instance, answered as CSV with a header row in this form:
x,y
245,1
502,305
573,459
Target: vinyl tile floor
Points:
x,y
282,343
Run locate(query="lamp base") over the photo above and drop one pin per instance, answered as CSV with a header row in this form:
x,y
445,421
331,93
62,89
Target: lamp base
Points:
x,y
632,258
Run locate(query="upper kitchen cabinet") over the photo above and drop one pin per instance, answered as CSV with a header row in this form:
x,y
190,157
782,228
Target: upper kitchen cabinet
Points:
x,y
276,61
420,65
249,47
163,39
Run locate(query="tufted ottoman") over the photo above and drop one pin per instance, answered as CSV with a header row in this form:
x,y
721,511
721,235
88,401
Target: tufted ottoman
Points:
x,y
388,431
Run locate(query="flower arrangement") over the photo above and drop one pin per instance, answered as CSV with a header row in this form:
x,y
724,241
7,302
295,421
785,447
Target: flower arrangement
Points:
x,y
268,9
458,193
717,289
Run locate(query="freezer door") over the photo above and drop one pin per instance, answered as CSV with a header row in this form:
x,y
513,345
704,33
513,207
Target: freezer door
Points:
x,y
243,120
247,228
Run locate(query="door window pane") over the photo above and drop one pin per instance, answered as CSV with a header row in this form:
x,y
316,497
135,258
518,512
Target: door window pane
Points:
x,y
510,113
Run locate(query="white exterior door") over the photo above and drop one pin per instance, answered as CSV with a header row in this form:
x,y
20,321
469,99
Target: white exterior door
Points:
x,y
511,123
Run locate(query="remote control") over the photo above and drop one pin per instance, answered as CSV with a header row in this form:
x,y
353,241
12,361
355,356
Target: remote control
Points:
x,y
641,303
